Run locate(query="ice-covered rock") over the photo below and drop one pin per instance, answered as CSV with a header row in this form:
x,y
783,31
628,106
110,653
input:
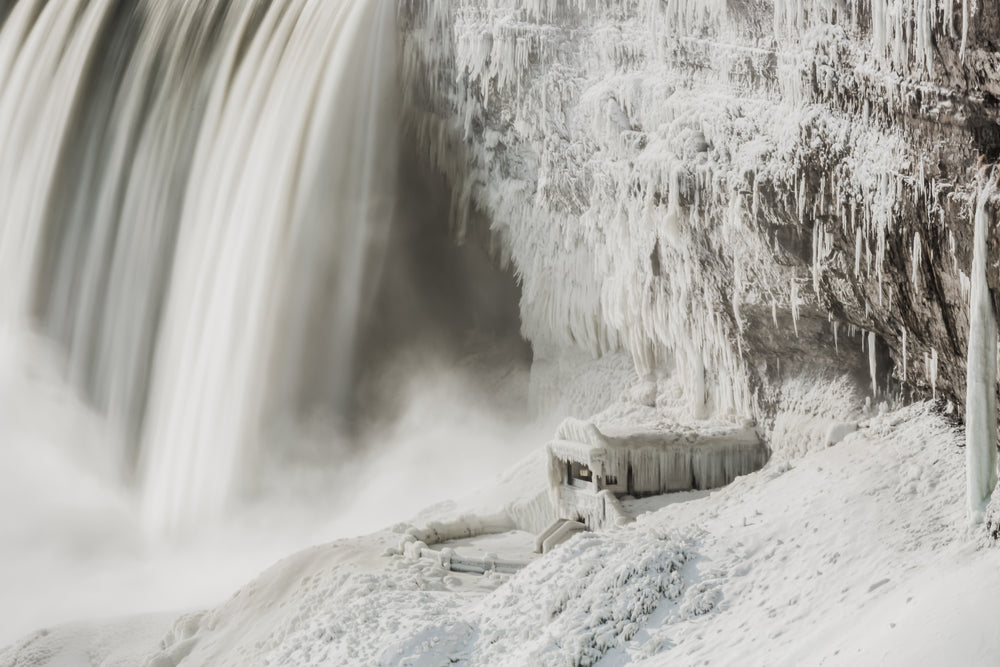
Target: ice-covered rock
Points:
x,y
736,190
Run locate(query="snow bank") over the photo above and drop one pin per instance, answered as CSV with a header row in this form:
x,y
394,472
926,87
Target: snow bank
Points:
x,y
812,413
119,643
758,572
590,594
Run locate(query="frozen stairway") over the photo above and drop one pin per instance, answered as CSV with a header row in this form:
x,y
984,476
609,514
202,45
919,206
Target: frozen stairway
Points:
x,y
557,533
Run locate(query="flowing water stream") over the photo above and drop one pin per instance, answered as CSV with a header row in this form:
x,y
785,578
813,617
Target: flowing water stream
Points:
x,y
195,200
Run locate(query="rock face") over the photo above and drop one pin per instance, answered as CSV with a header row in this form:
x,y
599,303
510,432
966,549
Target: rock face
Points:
x,y
733,189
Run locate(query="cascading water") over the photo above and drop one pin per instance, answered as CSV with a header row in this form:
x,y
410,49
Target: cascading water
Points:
x,y
195,198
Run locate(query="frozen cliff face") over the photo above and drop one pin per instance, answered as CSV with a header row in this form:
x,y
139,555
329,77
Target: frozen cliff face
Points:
x,y
732,189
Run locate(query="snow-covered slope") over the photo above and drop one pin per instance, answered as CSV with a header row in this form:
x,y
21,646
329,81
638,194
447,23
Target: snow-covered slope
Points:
x,y
856,553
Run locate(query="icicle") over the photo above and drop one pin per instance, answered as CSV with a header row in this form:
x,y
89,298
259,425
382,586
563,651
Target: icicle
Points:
x,y
980,403
868,257
857,253
801,204
699,405
795,305
737,293
904,353
925,33
879,29
965,28
673,217
980,392
915,261
817,248
871,362
933,373
836,343
774,312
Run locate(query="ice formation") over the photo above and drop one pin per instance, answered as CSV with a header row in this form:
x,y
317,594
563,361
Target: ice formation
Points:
x,y
871,363
932,370
641,461
660,204
981,393
903,338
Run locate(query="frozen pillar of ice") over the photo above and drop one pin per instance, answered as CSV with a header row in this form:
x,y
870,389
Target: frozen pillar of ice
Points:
x,y
699,406
871,363
981,399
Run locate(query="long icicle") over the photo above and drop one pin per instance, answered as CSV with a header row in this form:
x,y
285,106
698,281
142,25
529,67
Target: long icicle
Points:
x,y
981,398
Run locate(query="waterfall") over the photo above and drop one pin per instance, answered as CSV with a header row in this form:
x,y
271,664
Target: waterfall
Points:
x,y
196,195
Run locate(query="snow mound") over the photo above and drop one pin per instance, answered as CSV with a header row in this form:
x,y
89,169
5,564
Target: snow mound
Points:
x,y
593,593
812,413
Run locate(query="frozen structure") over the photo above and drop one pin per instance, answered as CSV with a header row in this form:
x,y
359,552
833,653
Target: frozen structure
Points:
x,y
417,543
590,468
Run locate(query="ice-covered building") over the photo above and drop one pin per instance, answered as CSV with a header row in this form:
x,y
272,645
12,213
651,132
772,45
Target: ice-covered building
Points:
x,y
590,468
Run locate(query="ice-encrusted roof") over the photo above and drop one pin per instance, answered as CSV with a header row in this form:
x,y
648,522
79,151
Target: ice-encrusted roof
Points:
x,y
583,441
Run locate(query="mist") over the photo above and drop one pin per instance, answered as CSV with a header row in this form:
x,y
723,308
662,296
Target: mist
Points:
x,y
439,408
71,535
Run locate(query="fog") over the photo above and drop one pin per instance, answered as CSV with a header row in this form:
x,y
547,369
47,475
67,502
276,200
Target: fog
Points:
x,y
71,543
439,410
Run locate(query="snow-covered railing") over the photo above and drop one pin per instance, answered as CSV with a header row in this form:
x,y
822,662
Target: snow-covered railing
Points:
x,y
415,544
449,559
468,525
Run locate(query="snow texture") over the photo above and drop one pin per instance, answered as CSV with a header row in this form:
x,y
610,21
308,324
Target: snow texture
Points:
x,y
758,572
